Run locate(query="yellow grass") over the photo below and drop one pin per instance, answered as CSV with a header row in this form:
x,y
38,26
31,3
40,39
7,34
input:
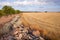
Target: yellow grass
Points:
x,y
48,22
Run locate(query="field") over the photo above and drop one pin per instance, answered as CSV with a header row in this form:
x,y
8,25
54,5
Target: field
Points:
x,y
49,22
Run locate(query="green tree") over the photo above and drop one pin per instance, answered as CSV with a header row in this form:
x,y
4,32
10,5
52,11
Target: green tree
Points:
x,y
45,11
17,11
8,10
0,13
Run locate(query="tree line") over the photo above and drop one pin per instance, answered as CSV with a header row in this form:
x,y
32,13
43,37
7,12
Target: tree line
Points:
x,y
8,10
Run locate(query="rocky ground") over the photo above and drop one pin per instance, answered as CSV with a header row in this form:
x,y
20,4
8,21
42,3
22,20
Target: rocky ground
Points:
x,y
17,31
22,33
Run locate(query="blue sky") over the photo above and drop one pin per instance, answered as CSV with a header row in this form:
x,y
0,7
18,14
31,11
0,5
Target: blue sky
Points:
x,y
32,5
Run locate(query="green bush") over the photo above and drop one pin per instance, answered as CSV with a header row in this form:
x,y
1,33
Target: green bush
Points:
x,y
17,11
8,10
0,13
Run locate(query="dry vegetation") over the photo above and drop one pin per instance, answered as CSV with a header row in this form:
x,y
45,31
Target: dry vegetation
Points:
x,y
49,23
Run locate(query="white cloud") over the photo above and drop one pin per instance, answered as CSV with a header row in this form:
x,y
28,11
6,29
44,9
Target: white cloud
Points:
x,y
4,3
35,2
26,2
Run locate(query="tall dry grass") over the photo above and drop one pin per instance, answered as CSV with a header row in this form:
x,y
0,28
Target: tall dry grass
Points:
x,y
47,23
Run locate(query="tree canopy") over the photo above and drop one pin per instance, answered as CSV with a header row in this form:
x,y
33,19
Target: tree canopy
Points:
x,y
8,10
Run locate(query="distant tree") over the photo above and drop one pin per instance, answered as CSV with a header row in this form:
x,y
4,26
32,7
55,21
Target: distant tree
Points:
x,y
17,11
8,10
45,11
0,13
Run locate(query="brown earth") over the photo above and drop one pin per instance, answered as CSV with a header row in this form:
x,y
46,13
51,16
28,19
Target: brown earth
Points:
x,y
5,19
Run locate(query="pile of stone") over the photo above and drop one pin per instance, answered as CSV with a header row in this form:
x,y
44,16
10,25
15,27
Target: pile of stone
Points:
x,y
22,33
25,33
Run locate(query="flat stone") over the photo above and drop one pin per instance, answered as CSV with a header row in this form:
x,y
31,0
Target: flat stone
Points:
x,y
36,33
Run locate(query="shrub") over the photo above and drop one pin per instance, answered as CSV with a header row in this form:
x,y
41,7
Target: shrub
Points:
x,y
8,10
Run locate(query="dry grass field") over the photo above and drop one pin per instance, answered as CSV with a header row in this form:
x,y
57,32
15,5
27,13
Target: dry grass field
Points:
x,y
48,22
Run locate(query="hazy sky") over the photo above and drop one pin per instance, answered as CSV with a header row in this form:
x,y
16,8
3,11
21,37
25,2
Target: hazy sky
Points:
x,y
32,5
